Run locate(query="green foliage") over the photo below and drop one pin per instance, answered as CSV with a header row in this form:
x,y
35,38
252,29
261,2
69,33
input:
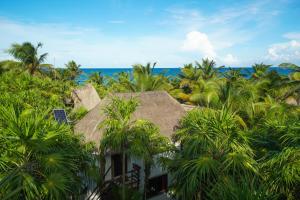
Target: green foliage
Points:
x,y
198,84
260,70
145,80
118,130
130,194
140,80
7,65
78,113
117,124
27,54
213,146
242,142
40,158
72,71
96,78
32,91
228,189
247,150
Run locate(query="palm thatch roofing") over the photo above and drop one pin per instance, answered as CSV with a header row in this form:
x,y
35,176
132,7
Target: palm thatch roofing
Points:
x,y
86,97
156,106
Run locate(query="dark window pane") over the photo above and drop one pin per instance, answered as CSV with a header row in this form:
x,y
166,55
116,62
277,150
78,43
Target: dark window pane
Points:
x,y
157,185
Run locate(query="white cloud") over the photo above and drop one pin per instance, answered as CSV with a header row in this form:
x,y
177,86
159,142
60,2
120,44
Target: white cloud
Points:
x,y
178,41
197,41
229,59
92,47
229,27
284,52
292,35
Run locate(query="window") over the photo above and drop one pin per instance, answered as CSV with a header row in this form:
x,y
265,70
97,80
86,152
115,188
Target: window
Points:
x,y
157,185
116,164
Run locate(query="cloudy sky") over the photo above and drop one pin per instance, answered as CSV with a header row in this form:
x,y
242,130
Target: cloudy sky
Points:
x,y
119,33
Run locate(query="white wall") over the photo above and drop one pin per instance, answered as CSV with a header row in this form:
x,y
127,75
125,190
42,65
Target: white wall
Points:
x,y
156,170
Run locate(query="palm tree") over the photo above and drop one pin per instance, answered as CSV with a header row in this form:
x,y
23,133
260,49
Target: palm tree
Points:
x,y
205,93
207,68
198,84
229,189
260,70
189,75
141,79
118,129
233,75
145,80
72,71
28,55
146,144
40,158
213,148
276,141
233,81
96,78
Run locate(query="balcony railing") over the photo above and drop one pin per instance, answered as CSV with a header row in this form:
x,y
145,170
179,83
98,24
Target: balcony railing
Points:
x,y
103,191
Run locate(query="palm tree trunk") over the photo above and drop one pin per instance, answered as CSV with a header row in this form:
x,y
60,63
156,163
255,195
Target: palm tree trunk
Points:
x,y
146,179
31,71
123,173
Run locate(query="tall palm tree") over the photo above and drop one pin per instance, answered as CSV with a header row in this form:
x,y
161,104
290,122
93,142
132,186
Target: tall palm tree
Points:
x,y
207,68
260,70
198,84
96,78
233,79
189,75
233,75
118,129
146,144
28,55
145,80
72,70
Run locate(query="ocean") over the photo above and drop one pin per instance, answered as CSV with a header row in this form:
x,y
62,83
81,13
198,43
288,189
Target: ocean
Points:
x,y
166,71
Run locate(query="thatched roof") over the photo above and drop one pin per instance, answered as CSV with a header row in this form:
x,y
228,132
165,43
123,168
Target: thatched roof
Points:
x,y
86,96
158,107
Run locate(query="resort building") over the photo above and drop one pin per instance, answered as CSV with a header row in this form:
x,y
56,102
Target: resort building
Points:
x,y
159,108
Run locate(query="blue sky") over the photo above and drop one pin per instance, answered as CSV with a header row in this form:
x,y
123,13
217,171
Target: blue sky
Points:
x,y
119,33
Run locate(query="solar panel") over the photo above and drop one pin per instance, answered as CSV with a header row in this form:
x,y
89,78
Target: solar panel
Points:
x,y
60,116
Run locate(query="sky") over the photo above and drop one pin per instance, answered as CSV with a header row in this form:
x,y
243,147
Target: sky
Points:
x,y
120,33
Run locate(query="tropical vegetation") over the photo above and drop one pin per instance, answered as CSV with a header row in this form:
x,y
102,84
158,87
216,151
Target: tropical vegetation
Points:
x,y
241,141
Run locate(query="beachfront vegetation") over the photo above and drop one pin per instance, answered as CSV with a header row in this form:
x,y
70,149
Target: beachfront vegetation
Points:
x,y
242,141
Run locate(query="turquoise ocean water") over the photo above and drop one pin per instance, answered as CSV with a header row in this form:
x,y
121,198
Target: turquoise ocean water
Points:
x,y
166,71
